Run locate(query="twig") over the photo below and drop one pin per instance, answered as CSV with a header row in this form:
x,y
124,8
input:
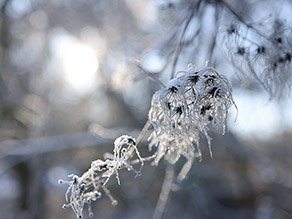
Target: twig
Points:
x,y
134,162
111,133
143,159
180,43
51,144
143,132
164,194
151,75
257,77
213,43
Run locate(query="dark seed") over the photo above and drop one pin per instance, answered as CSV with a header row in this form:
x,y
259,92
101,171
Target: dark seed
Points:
x,y
194,79
288,56
178,110
279,40
241,51
281,60
170,5
204,108
232,29
213,91
82,187
103,167
173,89
275,65
131,141
261,50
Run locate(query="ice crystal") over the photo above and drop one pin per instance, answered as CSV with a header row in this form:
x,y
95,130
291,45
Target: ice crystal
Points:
x,y
88,188
191,102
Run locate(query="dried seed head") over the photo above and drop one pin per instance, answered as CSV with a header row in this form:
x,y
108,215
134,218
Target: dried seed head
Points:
x,y
201,99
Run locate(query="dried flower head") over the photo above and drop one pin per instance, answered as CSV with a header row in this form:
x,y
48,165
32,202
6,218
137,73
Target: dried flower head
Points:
x,y
192,102
87,188
266,57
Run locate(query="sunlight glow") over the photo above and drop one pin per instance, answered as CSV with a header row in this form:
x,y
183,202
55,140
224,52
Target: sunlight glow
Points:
x,y
80,65
77,60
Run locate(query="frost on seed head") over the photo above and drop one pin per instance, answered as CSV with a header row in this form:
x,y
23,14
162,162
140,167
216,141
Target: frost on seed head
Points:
x,y
88,188
191,103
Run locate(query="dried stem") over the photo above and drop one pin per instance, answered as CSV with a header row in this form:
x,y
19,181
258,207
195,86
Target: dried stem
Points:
x,y
180,42
165,191
152,76
214,38
143,132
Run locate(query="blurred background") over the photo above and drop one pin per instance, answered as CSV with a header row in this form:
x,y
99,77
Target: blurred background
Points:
x,y
74,75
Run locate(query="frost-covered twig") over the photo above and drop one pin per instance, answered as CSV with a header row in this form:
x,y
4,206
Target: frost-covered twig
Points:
x,y
88,188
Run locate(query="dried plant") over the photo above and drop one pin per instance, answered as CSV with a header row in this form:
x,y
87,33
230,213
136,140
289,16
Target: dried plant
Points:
x,y
192,102
266,57
87,188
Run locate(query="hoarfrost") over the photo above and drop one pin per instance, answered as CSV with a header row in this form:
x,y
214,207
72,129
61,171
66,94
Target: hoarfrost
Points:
x,y
191,103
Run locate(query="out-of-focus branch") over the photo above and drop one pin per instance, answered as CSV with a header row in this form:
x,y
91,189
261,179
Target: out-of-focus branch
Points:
x,y
180,42
23,148
51,144
151,75
164,194
112,133
143,132
214,37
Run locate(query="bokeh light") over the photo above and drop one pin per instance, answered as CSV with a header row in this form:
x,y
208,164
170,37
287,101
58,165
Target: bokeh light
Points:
x,y
76,62
80,65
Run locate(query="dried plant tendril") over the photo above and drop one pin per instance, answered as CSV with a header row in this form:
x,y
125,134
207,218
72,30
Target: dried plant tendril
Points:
x,y
191,103
89,187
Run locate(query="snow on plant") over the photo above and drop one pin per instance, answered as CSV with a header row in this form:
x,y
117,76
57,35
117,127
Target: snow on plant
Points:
x,y
191,102
88,188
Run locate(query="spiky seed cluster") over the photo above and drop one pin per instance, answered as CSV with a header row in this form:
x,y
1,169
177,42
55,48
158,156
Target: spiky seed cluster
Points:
x,y
267,57
87,188
185,109
272,63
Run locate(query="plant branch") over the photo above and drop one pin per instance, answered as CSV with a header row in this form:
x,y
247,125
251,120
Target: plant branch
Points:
x,y
165,191
151,75
180,42
143,132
